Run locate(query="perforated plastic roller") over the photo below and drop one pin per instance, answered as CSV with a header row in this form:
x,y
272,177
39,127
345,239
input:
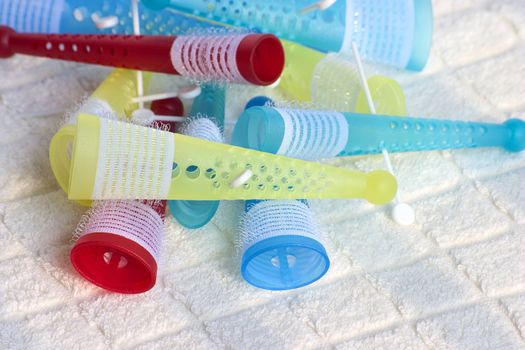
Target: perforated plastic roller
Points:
x,y
116,160
395,32
310,134
112,99
91,17
206,122
240,58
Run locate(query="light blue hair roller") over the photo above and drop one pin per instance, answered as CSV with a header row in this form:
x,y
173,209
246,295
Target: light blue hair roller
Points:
x,y
394,32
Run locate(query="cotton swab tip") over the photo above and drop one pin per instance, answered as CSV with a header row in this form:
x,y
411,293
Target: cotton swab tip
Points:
x,y
403,214
189,92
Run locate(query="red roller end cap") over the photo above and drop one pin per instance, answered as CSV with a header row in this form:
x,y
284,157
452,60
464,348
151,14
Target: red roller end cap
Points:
x,y
260,58
5,50
114,263
169,106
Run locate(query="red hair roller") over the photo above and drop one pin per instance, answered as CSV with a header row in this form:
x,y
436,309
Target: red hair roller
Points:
x,y
239,58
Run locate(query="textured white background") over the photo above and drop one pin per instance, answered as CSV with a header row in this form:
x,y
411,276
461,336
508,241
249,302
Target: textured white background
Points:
x,y
456,279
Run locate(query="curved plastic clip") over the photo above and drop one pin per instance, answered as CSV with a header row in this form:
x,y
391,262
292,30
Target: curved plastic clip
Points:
x,y
60,151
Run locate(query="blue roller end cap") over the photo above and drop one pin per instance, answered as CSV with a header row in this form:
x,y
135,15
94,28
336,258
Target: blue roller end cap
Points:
x,y
193,214
284,262
259,128
422,41
516,139
258,101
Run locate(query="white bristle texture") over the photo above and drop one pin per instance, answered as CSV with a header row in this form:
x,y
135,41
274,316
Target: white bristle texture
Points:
x,y
312,135
268,219
382,29
133,220
32,16
92,106
208,57
335,83
144,155
204,128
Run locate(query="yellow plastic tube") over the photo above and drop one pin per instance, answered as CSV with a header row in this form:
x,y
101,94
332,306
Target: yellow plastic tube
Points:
x,y
116,160
113,98
299,67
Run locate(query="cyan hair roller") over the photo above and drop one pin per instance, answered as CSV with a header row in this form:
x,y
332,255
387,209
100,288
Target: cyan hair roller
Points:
x,y
311,134
280,245
206,122
90,17
394,32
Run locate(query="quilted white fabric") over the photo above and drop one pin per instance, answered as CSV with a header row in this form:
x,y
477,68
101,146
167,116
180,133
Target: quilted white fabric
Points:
x,y
454,280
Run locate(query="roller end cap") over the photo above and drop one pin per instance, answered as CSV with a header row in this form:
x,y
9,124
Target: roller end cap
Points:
x,y
260,59
516,139
115,263
5,49
381,188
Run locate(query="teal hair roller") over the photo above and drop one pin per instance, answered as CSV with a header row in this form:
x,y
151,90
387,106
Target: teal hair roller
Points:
x,y
394,32
206,122
310,134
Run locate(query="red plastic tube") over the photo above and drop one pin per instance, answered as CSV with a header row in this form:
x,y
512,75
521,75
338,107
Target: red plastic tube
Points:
x,y
120,241
240,58
119,245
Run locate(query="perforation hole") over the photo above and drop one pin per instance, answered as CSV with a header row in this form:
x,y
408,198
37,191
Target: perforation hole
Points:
x,y
216,184
192,172
211,173
61,47
175,170
74,48
49,46
261,187
290,188
276,187
246,186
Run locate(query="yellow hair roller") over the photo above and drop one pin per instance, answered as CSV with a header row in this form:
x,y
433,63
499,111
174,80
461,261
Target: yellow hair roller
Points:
x,y
112,99
116,160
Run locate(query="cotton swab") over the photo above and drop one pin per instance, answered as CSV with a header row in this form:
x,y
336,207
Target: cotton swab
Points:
x,y
402,213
